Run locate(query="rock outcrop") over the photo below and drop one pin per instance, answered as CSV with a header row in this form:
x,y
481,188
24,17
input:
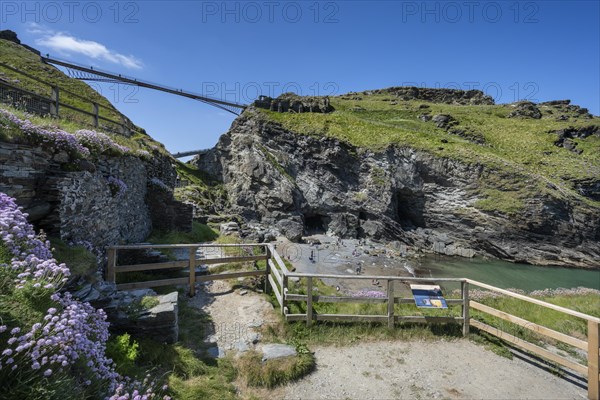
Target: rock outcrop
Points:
x,y
526,110
291,102
306,184
447,96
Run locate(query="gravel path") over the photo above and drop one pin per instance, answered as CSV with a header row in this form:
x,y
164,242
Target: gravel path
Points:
x,y
456,369
237,316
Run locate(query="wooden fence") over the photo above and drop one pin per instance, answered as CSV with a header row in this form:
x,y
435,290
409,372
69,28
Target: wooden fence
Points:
x,y
278,277
591,347
211,254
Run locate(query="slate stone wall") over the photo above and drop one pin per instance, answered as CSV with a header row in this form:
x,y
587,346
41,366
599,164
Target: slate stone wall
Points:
x,y
80,205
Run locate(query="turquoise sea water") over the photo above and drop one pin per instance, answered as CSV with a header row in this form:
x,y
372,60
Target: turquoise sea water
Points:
x,y
508,275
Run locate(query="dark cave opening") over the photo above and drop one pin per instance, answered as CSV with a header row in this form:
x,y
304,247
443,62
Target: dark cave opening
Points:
x,y
315,224
410,209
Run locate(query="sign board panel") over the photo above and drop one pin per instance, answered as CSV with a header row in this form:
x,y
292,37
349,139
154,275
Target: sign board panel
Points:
x,y
428,296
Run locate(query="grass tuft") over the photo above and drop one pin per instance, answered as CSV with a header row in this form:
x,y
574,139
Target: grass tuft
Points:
x,y
272,373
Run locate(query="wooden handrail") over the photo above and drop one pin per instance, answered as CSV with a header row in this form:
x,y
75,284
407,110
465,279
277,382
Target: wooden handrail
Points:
x,y
529,346
536,301
181,246
279,261
378,277
542,330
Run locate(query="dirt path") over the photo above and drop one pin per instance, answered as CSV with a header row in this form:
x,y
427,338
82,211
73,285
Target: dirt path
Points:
x,y
237,316
458,369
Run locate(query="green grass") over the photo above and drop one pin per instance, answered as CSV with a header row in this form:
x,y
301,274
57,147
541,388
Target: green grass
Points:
x,y
79,260
192,174
200,233
124,351
136,308
202,189
576,327
5,254
507,202
515,149
22,59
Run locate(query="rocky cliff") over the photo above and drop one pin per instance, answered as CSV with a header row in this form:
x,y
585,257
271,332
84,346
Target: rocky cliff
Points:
x,y
441,191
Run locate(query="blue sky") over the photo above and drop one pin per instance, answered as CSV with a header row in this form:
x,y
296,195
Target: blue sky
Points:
x,y
537,50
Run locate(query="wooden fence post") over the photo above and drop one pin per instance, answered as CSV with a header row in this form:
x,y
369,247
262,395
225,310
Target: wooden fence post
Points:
x,y
111,273
192,265
96,112
268,268
593,349
284,290
465,308
309,301
390,303
54,106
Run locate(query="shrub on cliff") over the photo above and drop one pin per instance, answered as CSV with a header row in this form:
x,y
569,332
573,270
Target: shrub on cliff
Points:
x,y
51,345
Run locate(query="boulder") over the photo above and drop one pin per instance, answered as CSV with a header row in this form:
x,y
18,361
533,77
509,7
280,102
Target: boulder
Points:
x,y
292,229
275,351
444,120
526,110
9,35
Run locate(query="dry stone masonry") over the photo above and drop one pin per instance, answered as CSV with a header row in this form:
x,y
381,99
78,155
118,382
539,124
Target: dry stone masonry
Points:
x,y
82,205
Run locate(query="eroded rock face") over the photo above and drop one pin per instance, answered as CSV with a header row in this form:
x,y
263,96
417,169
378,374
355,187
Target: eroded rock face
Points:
x,y
303,185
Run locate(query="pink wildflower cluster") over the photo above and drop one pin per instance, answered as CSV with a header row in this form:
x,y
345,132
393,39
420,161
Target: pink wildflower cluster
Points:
x,y
17,234
58,138
77,332
144,155
99,143
369,293
117,186
578,291
82,144
159,184
32,264
71,337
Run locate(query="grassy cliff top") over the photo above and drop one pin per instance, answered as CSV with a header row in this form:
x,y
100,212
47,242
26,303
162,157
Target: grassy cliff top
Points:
x,y
24,60
19,57
482,134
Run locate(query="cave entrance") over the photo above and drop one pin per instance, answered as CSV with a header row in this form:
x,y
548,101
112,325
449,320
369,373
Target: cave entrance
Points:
x,y
315,224
410,209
